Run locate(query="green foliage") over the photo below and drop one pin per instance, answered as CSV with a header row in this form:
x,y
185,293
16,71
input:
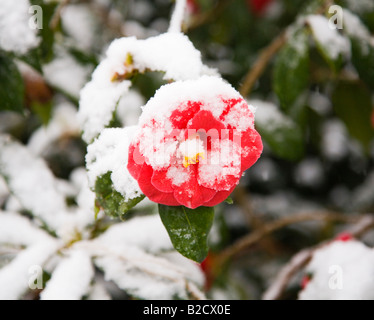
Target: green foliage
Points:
x,y
363,60
110,200
188,229
291,71
11,85
352,103
284,136
47,34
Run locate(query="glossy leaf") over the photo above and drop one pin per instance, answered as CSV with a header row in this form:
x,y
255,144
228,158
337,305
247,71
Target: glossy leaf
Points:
x,y
113,203
188,229
291,70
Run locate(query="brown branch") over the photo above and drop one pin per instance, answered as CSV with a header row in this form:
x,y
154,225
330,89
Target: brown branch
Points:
x,y
300,260
268,228
261,62
57,14
242,199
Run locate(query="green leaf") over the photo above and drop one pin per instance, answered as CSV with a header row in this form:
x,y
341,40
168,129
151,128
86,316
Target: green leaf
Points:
x,y
229,200
352,103
291,70
42,110
113,203
363,60
188,229
11,85
332,46
284,136
46,33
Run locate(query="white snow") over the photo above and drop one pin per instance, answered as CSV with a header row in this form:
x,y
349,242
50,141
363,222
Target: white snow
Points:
x,y
15,32
66,74
268,115
330,39
341,271
71,278
63,122
361,6
31,181
354,27
109,152
78,21
139,262
335,140
177,17
17,230
309,173
129,108
171,53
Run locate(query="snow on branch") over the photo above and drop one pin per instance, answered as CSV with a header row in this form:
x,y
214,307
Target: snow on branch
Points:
x,y
15,276
170,53
144,264
31,181
177,17
71,278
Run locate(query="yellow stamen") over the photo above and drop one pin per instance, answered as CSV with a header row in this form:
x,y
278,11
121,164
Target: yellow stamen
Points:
x,y
192,160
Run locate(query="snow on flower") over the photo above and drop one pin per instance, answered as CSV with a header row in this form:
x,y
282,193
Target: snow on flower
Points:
x,y
342,270
195,139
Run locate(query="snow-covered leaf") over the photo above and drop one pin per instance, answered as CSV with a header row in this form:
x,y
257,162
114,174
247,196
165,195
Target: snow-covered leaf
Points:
x,y
71,279
362,47
280,132
138,256
113,203
31,181
188,229
39,246
116,190
171,53
333,46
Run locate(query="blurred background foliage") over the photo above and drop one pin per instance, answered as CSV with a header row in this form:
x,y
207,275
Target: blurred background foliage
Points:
x,y
315,111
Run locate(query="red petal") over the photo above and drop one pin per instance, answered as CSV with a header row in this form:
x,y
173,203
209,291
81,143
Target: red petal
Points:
x,y
161,182
229,104
135,161
180,118
190,194
151,192
204,120
251,148
219,197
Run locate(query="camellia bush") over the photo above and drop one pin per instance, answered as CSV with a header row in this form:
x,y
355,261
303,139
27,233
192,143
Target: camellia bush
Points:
x,y
186,149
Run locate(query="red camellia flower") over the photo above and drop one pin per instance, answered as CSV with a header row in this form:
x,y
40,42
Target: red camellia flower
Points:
x,y
194,141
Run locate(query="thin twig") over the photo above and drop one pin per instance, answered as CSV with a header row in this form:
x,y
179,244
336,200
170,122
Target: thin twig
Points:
x,y
300,260
57,14
261,62
268,228
242,198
